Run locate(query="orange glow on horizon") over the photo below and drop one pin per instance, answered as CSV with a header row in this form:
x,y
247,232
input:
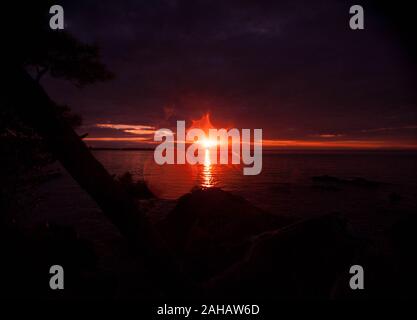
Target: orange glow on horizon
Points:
x,y
339,144
143,134
133,139
283,144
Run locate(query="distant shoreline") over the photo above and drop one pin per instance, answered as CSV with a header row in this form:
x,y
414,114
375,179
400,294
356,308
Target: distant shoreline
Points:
x,y
121,149
284,151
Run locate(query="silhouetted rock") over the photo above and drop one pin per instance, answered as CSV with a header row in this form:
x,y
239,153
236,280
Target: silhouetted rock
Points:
x,y
136,189
389,266
326,180
299,261
210,229
27,258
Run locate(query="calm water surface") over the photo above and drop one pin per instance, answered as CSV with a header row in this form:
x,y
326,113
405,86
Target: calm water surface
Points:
x,y
285,181
284,186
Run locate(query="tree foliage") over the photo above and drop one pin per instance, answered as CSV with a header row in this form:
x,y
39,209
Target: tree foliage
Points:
x,y
30,43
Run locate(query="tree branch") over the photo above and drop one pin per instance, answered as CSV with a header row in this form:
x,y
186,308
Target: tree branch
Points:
x,y
35,108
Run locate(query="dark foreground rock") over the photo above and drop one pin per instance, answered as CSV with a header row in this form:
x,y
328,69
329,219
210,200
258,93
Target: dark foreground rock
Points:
x,y
28,256
303,260
403,238
210,229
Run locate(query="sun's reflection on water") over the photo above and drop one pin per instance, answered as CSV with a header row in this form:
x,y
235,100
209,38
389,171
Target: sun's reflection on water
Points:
x,y
207,171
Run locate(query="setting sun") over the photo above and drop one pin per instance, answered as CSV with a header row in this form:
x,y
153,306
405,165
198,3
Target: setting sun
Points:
x,y
209,143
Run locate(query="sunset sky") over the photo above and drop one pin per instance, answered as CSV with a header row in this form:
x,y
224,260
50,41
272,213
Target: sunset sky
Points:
x,y
292,68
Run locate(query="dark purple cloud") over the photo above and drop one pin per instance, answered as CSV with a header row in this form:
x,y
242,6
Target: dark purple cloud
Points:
x,y
293,68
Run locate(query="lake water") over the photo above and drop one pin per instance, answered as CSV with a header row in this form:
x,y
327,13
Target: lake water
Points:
x,y
284,186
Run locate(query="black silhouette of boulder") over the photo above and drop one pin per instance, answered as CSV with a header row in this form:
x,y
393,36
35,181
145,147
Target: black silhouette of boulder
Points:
x,y
303,260
210,229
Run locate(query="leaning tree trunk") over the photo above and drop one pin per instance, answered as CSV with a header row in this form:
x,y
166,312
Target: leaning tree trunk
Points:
x,y
36,109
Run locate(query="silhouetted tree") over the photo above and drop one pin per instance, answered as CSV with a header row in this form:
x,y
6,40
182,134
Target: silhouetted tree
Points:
x,y
33,45
63,56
